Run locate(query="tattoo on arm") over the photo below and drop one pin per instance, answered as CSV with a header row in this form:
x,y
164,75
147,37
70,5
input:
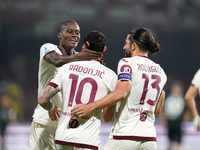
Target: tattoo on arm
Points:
x,y
47,94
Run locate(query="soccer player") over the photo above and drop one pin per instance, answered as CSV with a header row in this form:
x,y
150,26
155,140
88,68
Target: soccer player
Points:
x,y
174,110
139,94
81,82
190,95
42,136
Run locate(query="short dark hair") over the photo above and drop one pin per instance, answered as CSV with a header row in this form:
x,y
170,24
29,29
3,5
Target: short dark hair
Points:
x,y
63,24
96,39
144,39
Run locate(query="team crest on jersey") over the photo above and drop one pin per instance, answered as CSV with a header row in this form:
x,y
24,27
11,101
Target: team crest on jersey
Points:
x,y
73,123
126,68
143,116
46,50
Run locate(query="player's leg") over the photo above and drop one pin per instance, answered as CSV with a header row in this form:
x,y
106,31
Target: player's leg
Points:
x,y
3,133
121,145
42,137
179,136
66,147
148,145
112,144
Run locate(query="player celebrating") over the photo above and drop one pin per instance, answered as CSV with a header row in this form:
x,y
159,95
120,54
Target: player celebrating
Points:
x,y
81,82
43,129
139,93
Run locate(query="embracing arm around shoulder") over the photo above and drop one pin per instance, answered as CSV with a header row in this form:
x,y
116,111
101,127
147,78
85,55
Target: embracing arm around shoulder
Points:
x,y
47,94
59,60
121,91
190,100
160,103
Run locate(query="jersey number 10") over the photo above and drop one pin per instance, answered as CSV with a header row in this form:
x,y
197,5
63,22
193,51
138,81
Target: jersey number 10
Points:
x,y
80,89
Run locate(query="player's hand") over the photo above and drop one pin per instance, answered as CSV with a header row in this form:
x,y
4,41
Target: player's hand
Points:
x,y
80,110
102,62
55,113
196,121
86,54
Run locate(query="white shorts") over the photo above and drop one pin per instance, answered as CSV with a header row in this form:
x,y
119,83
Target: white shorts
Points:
x,y
42,137
66,147
113,144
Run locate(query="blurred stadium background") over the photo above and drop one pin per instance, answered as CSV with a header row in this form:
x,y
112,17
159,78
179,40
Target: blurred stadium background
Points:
x,y
25,25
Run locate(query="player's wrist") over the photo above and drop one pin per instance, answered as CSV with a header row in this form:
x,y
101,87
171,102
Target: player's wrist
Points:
x,y
91,107
196,117
77,57
52,107
196,121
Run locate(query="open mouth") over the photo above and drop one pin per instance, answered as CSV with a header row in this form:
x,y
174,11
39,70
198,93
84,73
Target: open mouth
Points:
x,y
73,40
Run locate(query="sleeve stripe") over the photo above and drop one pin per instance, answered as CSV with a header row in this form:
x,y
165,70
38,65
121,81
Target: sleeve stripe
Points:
x,y
49,52
53,84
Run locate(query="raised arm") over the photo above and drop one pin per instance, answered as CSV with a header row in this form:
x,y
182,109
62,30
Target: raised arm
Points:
x,y
59,60
160,103
121,91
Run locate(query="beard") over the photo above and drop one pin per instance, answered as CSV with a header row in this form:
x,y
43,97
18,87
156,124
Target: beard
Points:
x,y
129,54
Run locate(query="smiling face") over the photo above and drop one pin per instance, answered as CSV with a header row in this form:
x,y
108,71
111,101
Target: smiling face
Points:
x,y
69,36
127,47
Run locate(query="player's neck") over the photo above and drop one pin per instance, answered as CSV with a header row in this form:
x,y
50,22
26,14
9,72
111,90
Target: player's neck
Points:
x,y
65,50
139,53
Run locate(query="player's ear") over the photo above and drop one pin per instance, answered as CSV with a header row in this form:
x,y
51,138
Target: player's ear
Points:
x,y
59,36
105,48
134,46
87,44
83,47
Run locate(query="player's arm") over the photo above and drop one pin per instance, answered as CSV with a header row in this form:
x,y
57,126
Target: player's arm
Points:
x,y
121,91
47,94
108,113
59,60
191,105
160,103
44,101
190,100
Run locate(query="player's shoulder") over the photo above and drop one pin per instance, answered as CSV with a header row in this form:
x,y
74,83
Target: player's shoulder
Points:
x,y
198,72
197,75
126,59
104,68
109,70
48,45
